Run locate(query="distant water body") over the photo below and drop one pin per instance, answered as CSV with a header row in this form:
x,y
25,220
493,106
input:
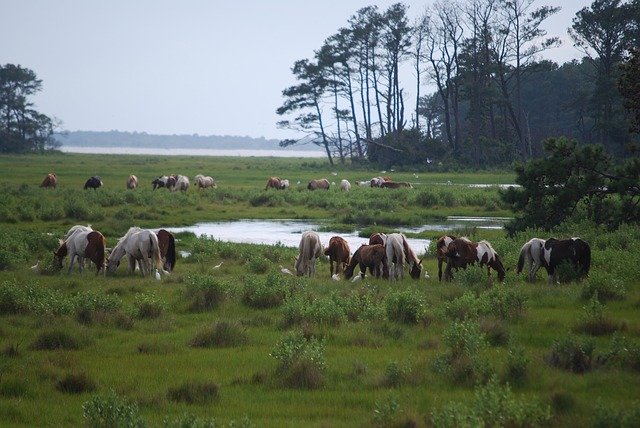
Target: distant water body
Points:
x,y
193,152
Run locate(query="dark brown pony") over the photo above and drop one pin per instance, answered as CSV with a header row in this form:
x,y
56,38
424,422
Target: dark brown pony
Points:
x,y
51,180
338,252
441,248
273,183
323,184
167,244
462,252
373,257
395,185
574,251
377,238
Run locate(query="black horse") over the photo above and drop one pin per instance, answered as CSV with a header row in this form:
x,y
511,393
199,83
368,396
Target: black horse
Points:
x,y
93,183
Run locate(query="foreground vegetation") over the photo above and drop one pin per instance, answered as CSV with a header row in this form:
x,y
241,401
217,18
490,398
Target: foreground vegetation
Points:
x,y
244,344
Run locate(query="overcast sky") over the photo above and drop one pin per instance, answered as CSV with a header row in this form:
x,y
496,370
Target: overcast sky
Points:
x,y
184,66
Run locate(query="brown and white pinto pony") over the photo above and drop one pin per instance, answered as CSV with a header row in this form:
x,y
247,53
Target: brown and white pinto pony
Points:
x,y
441,249
398,250
273,183
132,182
531,256
462,252
167,244
338,252
574,251
82,244
373,257
182,183
319,184
310,249
51,180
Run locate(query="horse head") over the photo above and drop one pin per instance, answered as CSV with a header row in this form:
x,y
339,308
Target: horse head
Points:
x,y
416,270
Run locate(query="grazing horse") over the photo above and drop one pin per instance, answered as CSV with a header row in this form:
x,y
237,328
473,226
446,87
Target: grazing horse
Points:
x,y
273,183
462,252
93,183
310,249
414,262
203,182
338,252
284,184
441,249
345,185
373,257
51,180
531,255
395,185
319,184
139,245
363,183
377,238
167,244
82,243
132,182
160,182
182,183
398,250
574,251
171,182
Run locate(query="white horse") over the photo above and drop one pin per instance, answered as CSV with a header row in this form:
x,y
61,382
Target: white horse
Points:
x,y
81,243
132,182
284,184
73,229
345,185
310,249
139,245
182,183
531,255
395,255
203,181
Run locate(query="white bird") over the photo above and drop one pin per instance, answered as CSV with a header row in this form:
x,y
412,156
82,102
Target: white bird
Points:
x,y
426,275
335,277
285,271
157,275
334,173
218,265
298,182
35,268
356,278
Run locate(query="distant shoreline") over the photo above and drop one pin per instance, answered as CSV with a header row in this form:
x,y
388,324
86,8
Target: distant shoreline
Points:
x,y
188,151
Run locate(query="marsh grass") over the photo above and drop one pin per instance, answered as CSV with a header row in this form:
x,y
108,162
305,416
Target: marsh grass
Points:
x,y
194,392
55,339
76,383
221,335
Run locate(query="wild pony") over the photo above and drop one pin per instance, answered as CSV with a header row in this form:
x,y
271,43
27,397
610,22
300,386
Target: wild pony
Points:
x,y
182,183
82,244
319,184
373,257
171,182
51,180
204,181
273,183
139,245
284,184
531,256
398,250
345,185
338,252
441,249
167,244
574,251
310,249
462,252
160,182
377,181
93,183
395,185
132,182
377,238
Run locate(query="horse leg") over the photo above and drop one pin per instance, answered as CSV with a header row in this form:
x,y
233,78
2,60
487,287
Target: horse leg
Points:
x,y
331,267
532,271
132,264
71,260
440,270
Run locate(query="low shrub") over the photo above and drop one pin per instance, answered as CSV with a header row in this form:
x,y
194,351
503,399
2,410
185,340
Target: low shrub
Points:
x,y
605,285
407,307
258,264
206,292
268,293
221,335
189,420
495,331
55,339
110,410
76,383
571,353
299,310
301,361
516,369
606,416
90,305
623,353
396,375
148,306
594,321
194,392
14,388
386,412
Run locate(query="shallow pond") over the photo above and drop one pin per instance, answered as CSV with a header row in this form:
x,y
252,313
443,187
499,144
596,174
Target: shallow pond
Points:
x,y
287,232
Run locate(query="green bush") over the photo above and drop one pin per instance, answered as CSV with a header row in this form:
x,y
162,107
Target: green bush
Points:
x,y
206,292
194,392
407,307
571,353
110,410
302,362
299,310
517,365
188,420
55,339
268,293
606,417
89,305
622,353
76,383
148,305
605,285
594,321
221,335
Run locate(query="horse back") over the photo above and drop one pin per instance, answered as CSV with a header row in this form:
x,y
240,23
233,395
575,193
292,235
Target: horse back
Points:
x,y
167,244
94,249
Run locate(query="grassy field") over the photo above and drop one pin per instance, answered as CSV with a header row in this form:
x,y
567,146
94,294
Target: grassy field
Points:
x,y
245,345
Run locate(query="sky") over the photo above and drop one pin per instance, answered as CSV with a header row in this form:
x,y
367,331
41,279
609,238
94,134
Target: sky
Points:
x,y
215,67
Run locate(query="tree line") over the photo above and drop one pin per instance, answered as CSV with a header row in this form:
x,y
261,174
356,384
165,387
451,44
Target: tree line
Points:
x,y
495,98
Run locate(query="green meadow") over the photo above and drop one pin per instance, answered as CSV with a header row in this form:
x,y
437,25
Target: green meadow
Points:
x,y
229,340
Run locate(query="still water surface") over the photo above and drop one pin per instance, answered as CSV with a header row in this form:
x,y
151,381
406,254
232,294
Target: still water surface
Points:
x,y
193,152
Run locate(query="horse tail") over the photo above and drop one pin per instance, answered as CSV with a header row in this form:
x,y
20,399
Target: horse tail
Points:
x,y
523,252
587,259
155,248
171,253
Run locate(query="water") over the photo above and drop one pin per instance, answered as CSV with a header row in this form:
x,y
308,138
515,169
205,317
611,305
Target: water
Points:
x,y
283,153
287,232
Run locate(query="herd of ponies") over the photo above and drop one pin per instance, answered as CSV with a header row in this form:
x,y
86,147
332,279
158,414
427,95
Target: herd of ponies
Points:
x,y
384,256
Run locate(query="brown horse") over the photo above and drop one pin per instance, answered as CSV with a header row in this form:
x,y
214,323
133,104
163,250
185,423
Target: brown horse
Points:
x,y
338,252
273,183
81,244
395,185
377,238
319,184
167,244
441,248
373,257
51,180
462,252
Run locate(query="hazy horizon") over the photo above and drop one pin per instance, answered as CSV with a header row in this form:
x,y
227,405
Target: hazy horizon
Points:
x,y
184,68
